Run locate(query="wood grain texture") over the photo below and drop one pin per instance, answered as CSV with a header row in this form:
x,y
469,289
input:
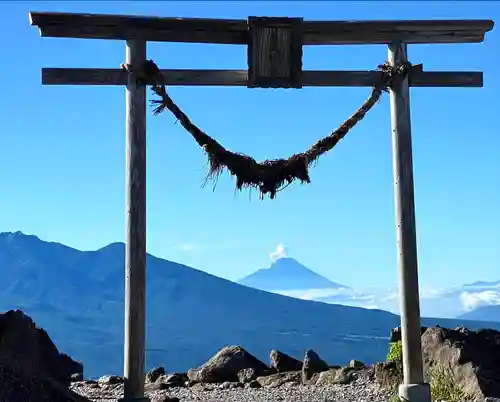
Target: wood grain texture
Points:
x,y
103,76
155,29
405,222
387,31
199,30
275,53
135,249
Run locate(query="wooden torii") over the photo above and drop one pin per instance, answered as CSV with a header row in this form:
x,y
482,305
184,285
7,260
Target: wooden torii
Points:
x,y
275,60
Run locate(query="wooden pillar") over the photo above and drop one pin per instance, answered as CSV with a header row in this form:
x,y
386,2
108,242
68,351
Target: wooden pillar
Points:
x,y
413,388
135,254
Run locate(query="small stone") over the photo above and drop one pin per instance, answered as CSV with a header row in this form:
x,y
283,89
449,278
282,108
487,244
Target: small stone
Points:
x,y
230,385
76,377
247,375
164,398
278,379
153,374
356,364
253,384
111,380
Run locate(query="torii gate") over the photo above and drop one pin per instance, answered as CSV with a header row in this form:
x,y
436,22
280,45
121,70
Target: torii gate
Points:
x,y
266,61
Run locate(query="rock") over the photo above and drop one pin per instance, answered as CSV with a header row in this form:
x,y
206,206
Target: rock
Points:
x,y
14,386
153,374
173,380
164,398
111,380
29,351
225,366
230,385
470,358
282,362
312,364
389,374
396,334
356,364
154,386
202,387
76,377
333,376
247,375
278,379
253,384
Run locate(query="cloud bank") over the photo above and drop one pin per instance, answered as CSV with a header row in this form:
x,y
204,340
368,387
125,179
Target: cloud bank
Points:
x,y
473,300
443,302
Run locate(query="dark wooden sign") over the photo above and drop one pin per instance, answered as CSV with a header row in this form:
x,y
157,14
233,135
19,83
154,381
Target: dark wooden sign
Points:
x,y
275,52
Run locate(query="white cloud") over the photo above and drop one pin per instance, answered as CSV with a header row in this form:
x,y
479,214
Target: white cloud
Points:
x,y
385,299
473,300
280,252
438,302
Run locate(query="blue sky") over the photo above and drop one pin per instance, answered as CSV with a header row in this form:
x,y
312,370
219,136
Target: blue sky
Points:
x,y
62,151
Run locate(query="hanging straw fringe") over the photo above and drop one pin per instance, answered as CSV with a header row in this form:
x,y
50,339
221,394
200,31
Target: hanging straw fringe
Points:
x,y
269,176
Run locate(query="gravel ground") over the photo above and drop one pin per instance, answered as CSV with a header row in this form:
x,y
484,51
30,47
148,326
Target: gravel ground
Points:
x,y
360,390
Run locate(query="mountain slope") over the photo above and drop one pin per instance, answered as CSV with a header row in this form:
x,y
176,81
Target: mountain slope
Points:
x,y
78,298
484,313
287,274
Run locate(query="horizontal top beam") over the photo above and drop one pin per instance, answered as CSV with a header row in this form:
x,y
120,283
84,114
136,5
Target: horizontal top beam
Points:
x,y
101,76
201,30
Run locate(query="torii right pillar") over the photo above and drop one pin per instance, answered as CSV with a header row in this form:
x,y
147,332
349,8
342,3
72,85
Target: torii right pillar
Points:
x,y
413,389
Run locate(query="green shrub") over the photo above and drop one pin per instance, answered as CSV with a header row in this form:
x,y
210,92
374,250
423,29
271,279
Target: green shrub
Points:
x,y
444,386
395,351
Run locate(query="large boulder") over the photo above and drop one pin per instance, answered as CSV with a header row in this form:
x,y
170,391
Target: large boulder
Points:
x,y
29,351
312,364
282,362
166,381
278,379
225,366
471,359
339,375
14,386
396,334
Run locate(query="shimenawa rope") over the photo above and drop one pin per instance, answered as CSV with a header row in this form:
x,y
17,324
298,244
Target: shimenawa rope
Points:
x,y
269,176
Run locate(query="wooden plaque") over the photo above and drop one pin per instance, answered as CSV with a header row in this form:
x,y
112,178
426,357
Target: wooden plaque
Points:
x,y
275,52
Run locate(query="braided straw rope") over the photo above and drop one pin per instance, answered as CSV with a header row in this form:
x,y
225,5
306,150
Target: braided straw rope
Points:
x,y
269,176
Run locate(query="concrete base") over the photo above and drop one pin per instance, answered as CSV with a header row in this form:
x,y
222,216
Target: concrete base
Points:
x,y
415,392
139,399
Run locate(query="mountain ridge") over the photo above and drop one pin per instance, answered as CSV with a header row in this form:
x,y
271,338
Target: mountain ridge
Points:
x,y
484,313
78,297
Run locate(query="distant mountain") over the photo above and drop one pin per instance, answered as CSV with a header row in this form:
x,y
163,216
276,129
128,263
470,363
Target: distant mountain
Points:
x,y
484,313
287,274
78,298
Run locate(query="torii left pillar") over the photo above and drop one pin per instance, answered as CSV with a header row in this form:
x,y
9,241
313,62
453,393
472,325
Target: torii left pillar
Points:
x,y
135,249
